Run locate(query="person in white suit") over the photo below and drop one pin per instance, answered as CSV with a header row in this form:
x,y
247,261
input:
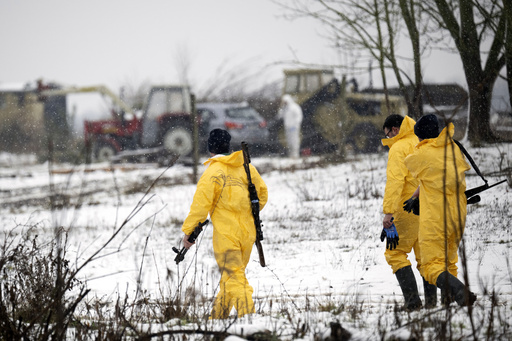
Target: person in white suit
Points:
x,y
291,113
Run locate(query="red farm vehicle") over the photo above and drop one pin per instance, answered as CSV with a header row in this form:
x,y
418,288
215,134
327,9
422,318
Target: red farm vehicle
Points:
x,y
163,128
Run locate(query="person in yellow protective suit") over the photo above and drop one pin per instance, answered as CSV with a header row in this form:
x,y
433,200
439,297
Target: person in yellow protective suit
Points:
x,y
222,192
400,185
439,165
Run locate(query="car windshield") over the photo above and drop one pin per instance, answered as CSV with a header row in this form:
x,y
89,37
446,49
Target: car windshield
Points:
x,y
244,113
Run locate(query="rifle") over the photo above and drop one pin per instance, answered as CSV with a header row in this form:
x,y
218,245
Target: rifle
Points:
x,y
255,203
192,238
471,196
471,193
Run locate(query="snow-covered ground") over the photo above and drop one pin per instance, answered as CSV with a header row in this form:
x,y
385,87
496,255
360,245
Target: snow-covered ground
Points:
x,y
322,225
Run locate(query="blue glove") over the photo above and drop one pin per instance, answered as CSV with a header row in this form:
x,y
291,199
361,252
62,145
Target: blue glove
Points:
x,y
391,236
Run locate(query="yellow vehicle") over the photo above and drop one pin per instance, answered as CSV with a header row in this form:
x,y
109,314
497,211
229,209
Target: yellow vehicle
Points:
x,y
26,122
336,117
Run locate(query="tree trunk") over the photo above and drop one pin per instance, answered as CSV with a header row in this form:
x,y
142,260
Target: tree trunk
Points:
x,y
479,128
391,56
480,84
381,55
408,13
480,79
507,8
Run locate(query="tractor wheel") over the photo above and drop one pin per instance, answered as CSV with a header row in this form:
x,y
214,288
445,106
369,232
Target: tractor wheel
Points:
x,y
104,152
365,138
178,141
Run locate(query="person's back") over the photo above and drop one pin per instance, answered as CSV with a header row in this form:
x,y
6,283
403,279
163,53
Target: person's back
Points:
x,y
227,183
439,165
222,192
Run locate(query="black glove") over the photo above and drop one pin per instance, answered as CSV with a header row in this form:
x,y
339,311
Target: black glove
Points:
x,y
392,237
413,205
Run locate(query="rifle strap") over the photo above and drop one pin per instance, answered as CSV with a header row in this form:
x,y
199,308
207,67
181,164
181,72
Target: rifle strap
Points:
x,y
473,164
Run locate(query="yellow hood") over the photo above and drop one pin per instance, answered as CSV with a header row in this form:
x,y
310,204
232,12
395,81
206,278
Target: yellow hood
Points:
x,y
233,159
406,129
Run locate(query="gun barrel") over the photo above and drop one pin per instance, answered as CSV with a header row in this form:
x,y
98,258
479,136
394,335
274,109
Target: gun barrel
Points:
x,y
471,192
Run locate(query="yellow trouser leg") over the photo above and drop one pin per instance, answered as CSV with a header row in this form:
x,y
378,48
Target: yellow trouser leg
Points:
x,y
407,227
234,289
435,257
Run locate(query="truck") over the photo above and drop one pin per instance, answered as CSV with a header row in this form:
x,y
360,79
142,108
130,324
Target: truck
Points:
x,y
164,126
26,122
21,120
336,115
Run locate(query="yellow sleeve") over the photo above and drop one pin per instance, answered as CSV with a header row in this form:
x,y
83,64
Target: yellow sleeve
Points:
x,y
396,173
201,204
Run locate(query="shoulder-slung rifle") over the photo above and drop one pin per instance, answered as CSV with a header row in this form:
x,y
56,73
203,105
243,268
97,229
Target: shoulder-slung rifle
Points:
x,y
255,203
471,194
192,238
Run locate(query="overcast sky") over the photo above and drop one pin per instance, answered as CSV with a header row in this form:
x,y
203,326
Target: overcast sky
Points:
x,y
117,41
110,42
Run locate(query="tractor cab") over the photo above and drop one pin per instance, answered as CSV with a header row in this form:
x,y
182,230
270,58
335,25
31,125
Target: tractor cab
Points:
x,y
302,84
167,109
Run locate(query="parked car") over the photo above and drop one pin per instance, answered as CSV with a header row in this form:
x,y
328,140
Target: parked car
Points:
x,y
242,121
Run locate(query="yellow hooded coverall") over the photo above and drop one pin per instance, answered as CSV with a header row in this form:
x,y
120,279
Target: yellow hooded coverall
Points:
x,y
222,192
400,185
439,165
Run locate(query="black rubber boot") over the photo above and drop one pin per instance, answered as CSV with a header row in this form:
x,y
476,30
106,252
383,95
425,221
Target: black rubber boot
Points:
x,y
455,290
407,282
430,294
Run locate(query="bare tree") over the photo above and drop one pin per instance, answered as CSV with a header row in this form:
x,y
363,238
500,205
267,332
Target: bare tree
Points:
x,y
234,82
477,29
183,61
472,24
410,15
134,93
374,28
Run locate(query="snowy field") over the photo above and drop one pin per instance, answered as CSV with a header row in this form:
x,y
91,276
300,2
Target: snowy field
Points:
x,y
321,226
